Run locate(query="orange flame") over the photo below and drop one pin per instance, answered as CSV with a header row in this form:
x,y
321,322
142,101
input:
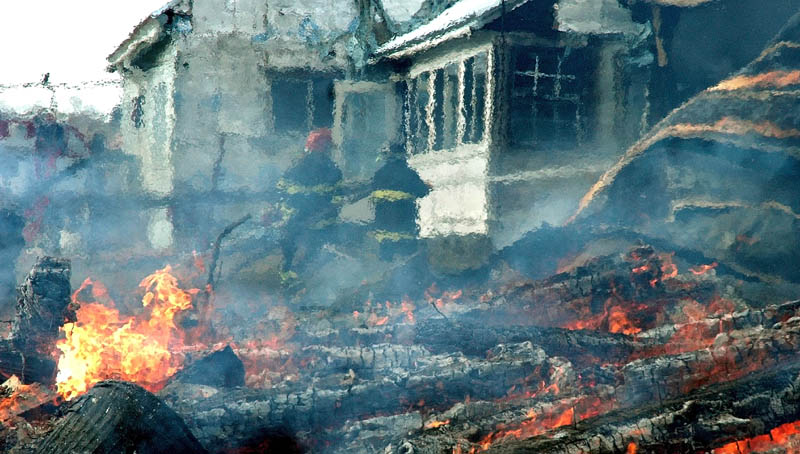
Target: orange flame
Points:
x,y
436,424
22,398
703,269
776,79
563,414
786,436
102,344
631,448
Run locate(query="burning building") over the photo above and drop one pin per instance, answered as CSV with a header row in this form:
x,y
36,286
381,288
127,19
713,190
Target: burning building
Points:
x,y
605,259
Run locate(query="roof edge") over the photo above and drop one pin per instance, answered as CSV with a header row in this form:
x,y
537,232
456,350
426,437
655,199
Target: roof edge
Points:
x,y
450,23
147,33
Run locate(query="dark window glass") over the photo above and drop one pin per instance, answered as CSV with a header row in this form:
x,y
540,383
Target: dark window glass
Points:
x,y
547,97
469,106
438,110
290,105
323,103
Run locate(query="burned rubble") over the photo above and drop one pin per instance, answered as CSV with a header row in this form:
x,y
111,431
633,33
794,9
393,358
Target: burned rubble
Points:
x,y
402,245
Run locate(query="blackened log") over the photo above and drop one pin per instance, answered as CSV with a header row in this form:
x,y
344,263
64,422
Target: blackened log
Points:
x,y
224,418
474,338
222,369
28,367
115,417
697,422
43,306
731,356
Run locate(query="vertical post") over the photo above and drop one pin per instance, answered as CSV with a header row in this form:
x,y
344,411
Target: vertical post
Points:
x,y
461,124
309,104
409,86
474,120
448,112
429,114
489,102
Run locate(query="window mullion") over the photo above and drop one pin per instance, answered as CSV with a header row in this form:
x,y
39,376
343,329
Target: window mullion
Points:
x,y
461,113
429,114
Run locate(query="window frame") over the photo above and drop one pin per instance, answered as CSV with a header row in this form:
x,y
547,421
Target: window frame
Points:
x,y
427,72
309,99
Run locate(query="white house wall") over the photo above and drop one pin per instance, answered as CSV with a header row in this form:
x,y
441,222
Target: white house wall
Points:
x,y
457,203
151,142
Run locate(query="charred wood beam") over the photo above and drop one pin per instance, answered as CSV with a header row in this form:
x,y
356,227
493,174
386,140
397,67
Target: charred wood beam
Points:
x,y
116,417
29,367
222,369
225,418
474,338
731,356
697,422
43,306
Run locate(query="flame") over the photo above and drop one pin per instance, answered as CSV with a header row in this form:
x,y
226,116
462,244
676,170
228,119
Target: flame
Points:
x,y
669,269
445,301
539,422
614,319
436,424
786,436
703,269
102,344
618,322
22,398
407,307
774,79
631,448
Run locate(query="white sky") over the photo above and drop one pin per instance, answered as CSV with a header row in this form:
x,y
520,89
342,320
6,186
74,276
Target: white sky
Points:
x,y
70,39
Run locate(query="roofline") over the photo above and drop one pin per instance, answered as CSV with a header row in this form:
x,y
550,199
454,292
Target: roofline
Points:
x,y
148,32
679,3
414,41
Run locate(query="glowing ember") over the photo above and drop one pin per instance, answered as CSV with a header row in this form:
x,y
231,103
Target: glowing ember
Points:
x,y
776,79
21,399
614,319
539,422
641,269
669,269
435,424
703,269
785,436
631,448
102,344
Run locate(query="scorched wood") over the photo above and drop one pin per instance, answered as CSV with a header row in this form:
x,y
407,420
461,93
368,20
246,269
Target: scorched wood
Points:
x,y
117,417
222,369
226,417
693,423
43,306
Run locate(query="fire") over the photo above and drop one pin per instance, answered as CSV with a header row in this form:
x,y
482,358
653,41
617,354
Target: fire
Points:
x,y
444,301
614,319
641,269
631,448
776,79
436,424
21,399
669,269
539,422
103,344
703,269
786,436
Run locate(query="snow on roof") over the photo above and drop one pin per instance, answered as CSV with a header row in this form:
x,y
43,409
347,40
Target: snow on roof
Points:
x,y
463,13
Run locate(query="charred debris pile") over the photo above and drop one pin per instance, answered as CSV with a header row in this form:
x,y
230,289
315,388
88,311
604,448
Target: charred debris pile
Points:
x,y
643,351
